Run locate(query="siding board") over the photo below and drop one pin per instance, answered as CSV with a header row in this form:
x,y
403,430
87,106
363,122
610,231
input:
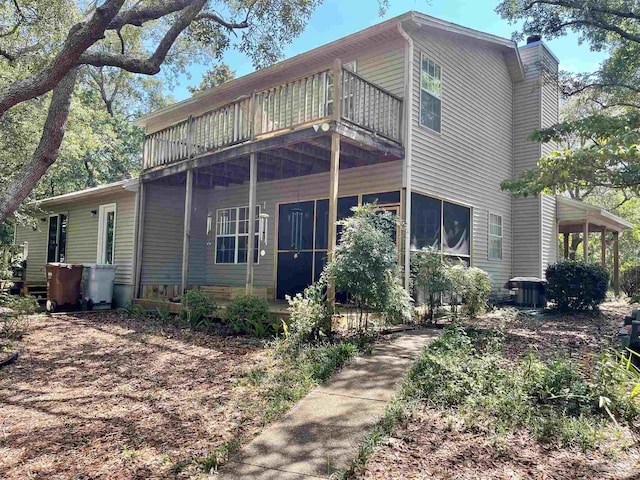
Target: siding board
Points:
x,y
472,154
82,235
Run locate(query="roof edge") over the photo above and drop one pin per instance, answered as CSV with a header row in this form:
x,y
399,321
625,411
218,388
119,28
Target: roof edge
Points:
x,y
130,185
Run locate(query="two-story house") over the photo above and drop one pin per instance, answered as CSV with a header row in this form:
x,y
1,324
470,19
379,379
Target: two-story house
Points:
x,y
242,184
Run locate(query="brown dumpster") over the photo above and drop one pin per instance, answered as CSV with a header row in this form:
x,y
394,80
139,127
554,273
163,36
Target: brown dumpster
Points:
x,y
63,285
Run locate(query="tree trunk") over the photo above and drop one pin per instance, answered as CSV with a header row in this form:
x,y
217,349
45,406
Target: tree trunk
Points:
x,y
45,154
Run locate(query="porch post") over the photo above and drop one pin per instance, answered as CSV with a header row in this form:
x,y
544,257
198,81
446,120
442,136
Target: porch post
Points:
x,y
333,204
585,242
565,236
616,263
141,207
187,229
603,247
253,180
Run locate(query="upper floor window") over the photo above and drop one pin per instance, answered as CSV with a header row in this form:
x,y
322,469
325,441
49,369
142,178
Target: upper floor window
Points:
x,y
430,90
495,237
232,235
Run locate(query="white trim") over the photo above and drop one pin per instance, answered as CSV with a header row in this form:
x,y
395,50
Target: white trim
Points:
x,y
57,254
236,235
438,96
102,217
491,236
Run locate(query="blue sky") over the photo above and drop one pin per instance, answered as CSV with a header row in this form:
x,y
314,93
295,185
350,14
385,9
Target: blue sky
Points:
x,y
336,18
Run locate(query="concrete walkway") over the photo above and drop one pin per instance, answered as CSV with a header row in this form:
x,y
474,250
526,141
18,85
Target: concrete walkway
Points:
x,y
322,432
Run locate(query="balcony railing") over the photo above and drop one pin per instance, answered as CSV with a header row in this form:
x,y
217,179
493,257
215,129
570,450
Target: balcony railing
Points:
x,y
280,108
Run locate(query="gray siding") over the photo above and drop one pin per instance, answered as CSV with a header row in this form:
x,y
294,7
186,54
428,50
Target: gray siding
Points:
x,y
535,106
162,250
473,153
371,179
385,70
82,235
163,234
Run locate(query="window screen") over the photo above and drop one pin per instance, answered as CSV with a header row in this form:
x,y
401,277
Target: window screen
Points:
x,y
456,223
425,221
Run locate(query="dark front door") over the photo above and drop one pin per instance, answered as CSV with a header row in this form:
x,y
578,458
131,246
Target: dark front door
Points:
x,y
295,247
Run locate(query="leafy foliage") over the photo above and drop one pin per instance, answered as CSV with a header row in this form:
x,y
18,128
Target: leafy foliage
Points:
x,y
217,75
606,151
550,399
309,317
611,159
630,283
365,263
197,308
249,314
476,291
575,286
429,274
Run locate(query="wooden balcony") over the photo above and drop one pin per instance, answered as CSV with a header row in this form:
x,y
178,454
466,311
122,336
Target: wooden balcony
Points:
x,y
279,110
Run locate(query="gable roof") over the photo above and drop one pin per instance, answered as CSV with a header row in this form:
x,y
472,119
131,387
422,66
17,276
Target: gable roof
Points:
x,y
377,38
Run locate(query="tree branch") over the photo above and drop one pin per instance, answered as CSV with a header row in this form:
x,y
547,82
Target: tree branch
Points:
x,y
580,5
151,65
45,154
81,37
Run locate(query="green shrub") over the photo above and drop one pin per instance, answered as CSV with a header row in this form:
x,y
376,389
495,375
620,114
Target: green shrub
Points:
x,y
429,275
550,399
309,317
365,263
250,315
630,283
476,291
197,308
576,285
14,323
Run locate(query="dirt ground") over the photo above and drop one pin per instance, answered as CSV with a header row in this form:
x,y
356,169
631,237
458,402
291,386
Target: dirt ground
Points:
x,y
432,444
99,396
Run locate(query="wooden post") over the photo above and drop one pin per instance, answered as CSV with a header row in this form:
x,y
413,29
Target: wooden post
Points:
x,y
187,229
603,247
616,263
333,203
585,242
253,180
565,236
337,90
141,207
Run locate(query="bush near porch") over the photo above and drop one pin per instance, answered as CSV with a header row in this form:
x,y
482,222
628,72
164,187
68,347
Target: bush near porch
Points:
x,y
575,286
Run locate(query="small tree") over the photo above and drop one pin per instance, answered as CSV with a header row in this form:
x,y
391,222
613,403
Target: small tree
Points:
x,y
365,262
429,274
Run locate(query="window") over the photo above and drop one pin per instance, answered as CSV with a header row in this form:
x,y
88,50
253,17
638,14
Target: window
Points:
x,y
232,235
57,238
107,234
495,237
430,91
441,225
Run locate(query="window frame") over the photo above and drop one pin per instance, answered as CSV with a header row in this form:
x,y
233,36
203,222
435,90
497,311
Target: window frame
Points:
x,y
441,250
103,213
491,236
236,235
438,96
58,232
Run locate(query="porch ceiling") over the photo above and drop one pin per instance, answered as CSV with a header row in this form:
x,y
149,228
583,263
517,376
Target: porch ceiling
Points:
x,y
299,153
572,216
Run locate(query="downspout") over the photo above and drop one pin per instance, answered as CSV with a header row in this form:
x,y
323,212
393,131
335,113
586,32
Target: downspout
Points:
x,y
407,139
